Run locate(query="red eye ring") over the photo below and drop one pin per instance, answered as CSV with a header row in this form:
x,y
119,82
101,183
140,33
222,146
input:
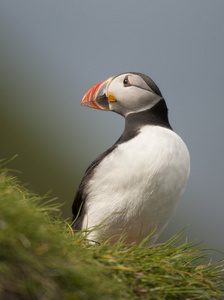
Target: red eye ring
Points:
x,y
126,81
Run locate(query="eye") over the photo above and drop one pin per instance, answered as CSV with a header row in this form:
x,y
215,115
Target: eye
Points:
x,y
126,82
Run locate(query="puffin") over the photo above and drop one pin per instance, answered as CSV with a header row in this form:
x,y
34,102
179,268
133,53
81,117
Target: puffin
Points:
x,y
131,190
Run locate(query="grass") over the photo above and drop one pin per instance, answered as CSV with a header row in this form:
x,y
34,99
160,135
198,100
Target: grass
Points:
x,y
42,258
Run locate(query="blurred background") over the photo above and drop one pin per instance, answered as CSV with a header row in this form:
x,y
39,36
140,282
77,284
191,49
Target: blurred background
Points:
x,y
52,52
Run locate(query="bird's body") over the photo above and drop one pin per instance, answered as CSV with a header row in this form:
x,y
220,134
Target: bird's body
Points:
x,y
134,187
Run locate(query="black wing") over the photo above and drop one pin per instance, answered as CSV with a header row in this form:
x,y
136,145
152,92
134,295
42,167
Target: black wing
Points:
x,y
81,195
78,206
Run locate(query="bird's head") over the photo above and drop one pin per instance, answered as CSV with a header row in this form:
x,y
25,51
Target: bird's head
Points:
x,y
124,94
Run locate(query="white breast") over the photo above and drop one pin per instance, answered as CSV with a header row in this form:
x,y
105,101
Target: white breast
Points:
x,y
138,185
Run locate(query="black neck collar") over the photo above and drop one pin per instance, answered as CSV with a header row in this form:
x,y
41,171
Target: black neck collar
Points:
x,y
157,115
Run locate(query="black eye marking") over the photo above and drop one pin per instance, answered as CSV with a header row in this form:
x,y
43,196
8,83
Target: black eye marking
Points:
x,y
126,81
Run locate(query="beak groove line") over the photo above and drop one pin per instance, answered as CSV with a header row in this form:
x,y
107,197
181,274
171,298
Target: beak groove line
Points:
x,y
97,94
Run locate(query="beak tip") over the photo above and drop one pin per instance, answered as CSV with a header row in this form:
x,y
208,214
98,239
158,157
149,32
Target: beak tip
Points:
x,y
83,101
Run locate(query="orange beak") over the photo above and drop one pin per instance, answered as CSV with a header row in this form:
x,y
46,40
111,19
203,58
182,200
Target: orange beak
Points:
x,y
96,96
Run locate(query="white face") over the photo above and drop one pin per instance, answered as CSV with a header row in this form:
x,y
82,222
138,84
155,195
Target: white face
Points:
x,y
132,94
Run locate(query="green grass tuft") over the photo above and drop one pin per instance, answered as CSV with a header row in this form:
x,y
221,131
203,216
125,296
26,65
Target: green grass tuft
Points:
x,y
42,258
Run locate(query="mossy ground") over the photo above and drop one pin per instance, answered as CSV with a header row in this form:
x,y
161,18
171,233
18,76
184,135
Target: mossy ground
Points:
x,y
42,258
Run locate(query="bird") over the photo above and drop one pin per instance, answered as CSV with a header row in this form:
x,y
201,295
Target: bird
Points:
x,y
133,188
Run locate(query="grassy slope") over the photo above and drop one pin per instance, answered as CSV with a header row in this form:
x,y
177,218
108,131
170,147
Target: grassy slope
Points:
x,y
41,258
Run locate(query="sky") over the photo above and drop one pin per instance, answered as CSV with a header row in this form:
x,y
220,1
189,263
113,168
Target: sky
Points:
x,y
52,52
